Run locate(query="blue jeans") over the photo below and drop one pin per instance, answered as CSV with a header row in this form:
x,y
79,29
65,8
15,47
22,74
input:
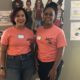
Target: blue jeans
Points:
x,y
20,67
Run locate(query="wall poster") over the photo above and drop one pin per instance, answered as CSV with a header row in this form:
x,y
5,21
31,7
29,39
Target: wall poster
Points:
x,y
75,10
5,18
75,31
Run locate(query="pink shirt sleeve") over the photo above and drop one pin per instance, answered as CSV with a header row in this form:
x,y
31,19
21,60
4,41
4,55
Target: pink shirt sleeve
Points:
x,y
61,40
5,38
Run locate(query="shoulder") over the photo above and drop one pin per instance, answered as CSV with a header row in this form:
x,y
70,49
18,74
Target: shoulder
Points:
x,y
29,30
40,28
10,29
57,29
7,32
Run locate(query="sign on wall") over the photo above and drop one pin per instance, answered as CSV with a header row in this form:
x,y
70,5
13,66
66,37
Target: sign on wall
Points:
x,y
75,31
5,18
75,10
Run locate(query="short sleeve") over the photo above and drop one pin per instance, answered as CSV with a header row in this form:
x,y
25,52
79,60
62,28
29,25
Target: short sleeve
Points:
x,y
61,40
5,38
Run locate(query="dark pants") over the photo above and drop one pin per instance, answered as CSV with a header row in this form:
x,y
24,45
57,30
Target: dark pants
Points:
x,y
44,68
20,67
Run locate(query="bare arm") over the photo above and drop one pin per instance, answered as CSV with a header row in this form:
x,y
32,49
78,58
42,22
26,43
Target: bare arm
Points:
x,y
3,55
59,56
53,71
3,61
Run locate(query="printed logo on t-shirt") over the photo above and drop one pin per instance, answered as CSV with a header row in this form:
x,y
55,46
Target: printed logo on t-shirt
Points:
x,y
49,40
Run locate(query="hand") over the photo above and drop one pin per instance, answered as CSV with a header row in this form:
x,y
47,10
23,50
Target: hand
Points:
x,y
2,73
52,73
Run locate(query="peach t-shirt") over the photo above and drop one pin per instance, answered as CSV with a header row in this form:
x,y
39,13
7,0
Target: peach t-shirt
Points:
x,y
18,40
49,40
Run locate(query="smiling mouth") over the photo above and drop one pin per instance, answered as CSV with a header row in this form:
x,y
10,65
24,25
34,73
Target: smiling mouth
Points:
x,y
20,21
47,20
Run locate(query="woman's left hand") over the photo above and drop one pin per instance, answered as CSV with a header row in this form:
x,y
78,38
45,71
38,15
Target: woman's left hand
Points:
x,y
52,74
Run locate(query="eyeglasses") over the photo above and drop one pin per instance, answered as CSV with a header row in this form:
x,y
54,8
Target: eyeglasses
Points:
x,y
48,14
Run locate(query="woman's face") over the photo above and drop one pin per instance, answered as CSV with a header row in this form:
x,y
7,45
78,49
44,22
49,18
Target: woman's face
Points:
x,y
20,18
38,3
48,16
28,4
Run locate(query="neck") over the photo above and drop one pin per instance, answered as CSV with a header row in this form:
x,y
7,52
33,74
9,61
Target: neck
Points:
x,y
28,8
20,27
47,26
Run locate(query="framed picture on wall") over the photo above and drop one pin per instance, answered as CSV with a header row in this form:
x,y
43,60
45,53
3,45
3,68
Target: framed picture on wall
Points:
x,y
5,18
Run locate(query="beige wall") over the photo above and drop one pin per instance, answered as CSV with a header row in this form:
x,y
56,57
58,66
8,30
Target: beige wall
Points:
x,y
4,6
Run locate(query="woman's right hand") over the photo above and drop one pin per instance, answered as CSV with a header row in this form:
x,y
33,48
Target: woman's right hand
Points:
x,y
2,73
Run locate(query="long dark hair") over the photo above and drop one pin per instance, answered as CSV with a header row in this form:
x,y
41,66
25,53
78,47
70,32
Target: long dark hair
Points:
x,y
41,4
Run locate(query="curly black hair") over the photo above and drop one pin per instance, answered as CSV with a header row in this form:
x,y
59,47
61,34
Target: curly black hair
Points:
x,y
14,12
52,5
